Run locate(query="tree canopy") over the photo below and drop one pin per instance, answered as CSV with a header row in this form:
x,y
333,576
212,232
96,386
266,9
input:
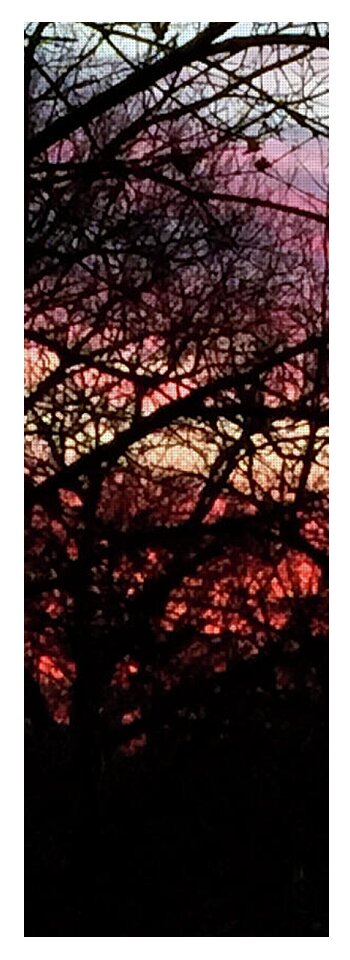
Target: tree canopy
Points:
x,y
176,362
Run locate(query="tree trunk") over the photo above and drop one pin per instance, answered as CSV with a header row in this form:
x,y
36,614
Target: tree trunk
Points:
x,y
87,769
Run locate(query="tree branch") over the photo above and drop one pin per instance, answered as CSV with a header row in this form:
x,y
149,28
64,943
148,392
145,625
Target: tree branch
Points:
x,y
139,81
190,406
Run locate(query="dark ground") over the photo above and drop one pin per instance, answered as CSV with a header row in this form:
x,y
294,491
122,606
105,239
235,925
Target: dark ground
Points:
x,y
222,834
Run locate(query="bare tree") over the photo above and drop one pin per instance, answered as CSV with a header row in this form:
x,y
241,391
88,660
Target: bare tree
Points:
x,y
176,334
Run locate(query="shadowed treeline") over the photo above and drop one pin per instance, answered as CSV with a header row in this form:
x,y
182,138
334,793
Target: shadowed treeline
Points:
x,y
218,827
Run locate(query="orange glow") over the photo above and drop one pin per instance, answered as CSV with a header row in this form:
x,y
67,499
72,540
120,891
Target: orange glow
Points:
x,y
131,716
54,609
39,361
70,499
48,668
296,576
72,550
165,394
217,510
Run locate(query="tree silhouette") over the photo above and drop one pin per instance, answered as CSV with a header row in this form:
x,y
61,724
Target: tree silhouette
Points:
x,y
176,373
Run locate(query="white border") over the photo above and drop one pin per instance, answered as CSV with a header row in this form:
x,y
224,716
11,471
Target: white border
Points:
x,y
11,725
192,11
